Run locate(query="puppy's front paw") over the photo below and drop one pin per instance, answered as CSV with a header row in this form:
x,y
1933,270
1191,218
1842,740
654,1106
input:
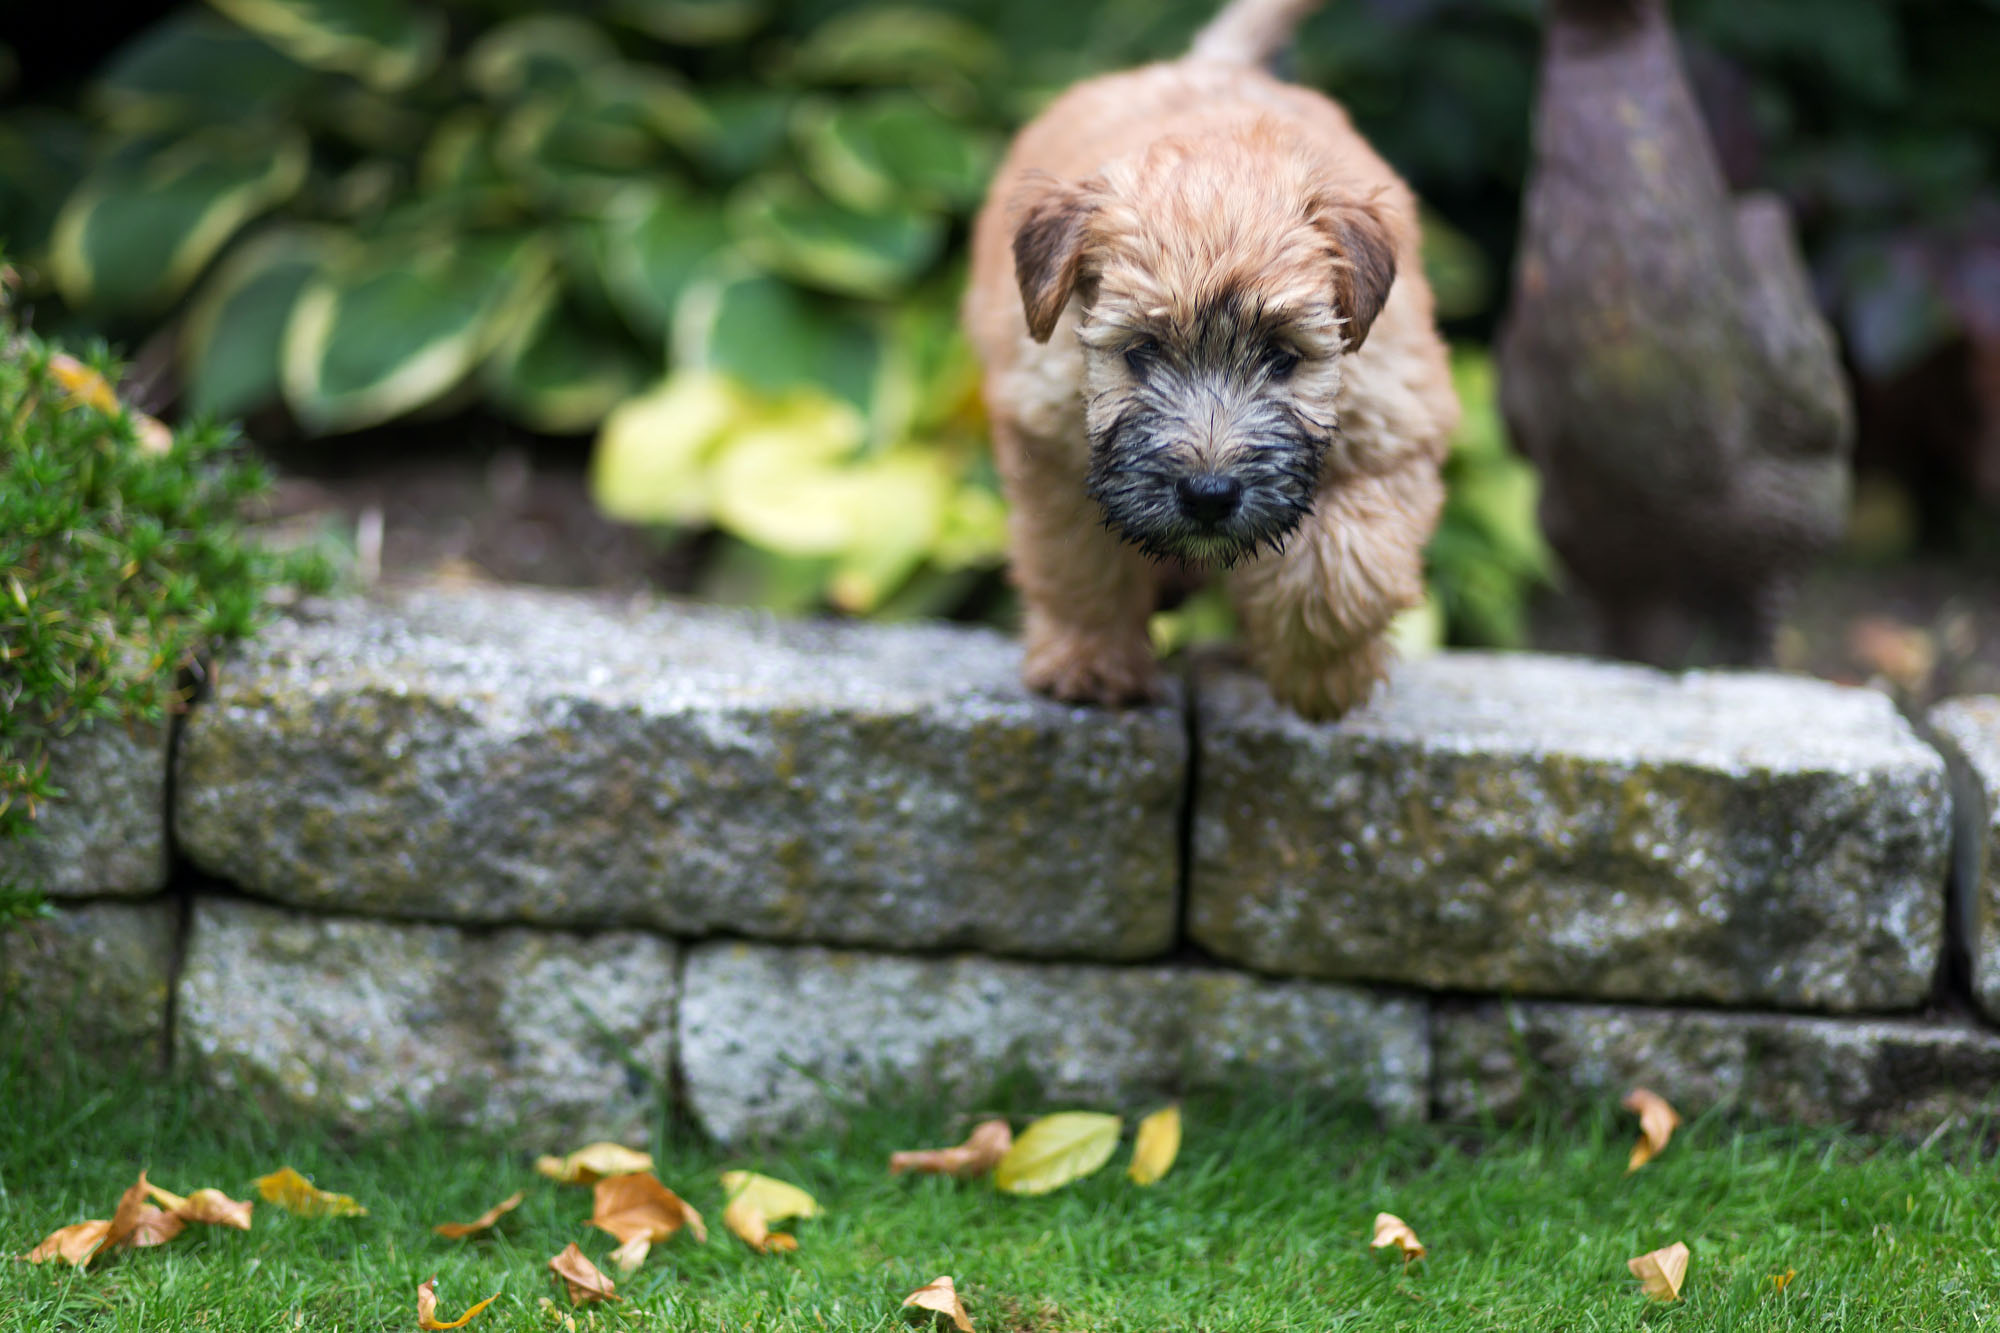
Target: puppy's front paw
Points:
x,y
1325,689
1092,669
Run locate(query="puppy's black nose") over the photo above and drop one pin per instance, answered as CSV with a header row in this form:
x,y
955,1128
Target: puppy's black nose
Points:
x,y
1209,497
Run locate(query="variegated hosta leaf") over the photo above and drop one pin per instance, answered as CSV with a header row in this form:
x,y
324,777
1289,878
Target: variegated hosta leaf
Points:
x,y
43,155
652,455
651,240
774,337
896,44
742,128
562,374
693,22
136,234
872,153
536,54
195,68
397,329
579,150
230,341
789,229
387,44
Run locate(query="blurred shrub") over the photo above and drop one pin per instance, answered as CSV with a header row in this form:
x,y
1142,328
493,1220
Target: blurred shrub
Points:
x,y
123,555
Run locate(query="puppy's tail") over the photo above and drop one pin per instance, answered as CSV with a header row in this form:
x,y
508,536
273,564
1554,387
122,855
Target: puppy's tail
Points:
x,y
1250,32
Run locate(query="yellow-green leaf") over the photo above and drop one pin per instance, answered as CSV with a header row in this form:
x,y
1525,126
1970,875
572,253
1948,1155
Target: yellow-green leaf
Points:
x,y
295,1194
1056,1150
1158,1144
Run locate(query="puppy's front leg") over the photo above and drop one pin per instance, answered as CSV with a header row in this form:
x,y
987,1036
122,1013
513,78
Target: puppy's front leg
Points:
x,y
1315,613
1087,596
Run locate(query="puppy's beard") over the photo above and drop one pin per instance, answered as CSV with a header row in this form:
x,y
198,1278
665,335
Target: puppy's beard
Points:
x,y
1135,476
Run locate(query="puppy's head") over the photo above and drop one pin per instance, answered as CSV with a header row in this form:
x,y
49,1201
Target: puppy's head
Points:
x,y
1220,286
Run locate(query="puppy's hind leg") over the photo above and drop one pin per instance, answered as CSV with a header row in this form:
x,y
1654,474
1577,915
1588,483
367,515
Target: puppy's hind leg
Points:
x,y
1315,614
1087,596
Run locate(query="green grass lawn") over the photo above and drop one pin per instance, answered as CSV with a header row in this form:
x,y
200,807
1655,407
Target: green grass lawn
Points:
x,y
1263,1223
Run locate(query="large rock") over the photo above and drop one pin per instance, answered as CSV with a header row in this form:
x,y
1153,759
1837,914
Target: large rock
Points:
x,y
513,756
1541,825
93,977
368,1023
1969,731
775,1039
1880,1075
107,835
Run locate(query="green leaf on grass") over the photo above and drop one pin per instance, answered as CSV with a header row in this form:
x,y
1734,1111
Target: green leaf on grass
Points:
x,y
1056,1150
135,235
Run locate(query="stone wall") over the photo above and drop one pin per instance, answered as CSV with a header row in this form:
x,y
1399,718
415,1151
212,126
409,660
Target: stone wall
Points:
x,y
536,861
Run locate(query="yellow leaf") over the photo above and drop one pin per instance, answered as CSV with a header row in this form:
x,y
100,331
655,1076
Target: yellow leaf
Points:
x,y
208,1206
1779,1281
83,385
454,1230
639,1207
1057,1149
1159,1142
581,1277
295,1194
941,1296
1393,1230
1662,1272
982,1150
427,1308
1656,1125
590,1164
73,1244
754,1202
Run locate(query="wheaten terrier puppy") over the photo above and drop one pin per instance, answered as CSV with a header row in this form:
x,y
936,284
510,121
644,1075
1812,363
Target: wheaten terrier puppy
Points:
x,y
1208,344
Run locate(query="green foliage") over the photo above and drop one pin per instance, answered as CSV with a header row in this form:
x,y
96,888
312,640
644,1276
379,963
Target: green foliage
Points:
x,y
122,558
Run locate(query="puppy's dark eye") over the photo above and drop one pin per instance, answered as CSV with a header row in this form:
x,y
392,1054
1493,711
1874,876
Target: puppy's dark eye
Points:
x,y
1281,362
1142,353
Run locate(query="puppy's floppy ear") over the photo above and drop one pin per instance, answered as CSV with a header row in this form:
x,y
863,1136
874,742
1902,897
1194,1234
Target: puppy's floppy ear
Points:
x,y
1366,263
1050,218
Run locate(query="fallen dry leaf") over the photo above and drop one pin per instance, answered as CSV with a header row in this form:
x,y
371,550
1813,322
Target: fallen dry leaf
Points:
x,y
211,1207
585,1282
427,1302
1057,1149
73,1244
632,1253
153,434
1662,1272
1779,1281
941,1297
755,1202
132,1210
639,1208
454,1230
1158,1143
1656,1125
295,1194
1393,1230
593,1162
981,1152
155,1226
